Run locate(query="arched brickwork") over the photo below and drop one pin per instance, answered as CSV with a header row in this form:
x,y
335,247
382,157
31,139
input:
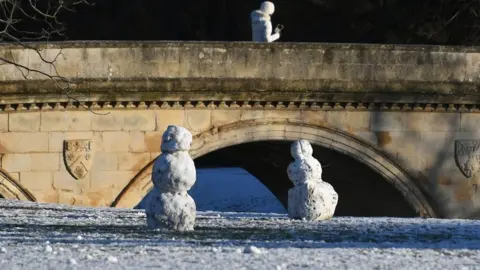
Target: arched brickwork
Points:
x,y
10,189
264,130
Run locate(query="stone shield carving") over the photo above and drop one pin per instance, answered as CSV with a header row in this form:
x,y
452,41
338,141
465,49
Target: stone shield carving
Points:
x,y
78,155
467,156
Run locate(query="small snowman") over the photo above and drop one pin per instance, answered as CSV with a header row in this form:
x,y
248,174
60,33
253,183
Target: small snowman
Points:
x,y
310,198
173,174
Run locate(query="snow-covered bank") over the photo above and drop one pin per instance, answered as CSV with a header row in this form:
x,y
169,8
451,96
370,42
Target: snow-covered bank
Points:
x,y
34,236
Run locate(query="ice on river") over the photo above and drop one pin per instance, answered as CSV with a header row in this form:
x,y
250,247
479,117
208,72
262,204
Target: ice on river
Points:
x,y
47,236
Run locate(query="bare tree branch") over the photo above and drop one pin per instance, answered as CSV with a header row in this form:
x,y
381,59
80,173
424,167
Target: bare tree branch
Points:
x,y
27,20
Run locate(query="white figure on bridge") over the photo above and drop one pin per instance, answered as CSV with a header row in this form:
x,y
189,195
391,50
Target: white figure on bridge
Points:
x,y
262,25
310,198
173,174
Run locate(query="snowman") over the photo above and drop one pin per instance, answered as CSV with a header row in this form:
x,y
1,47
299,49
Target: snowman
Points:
x,y
310,198
173,174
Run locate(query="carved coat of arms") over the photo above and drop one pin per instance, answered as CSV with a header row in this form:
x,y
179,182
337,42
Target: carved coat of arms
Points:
x,y
467,156
78,156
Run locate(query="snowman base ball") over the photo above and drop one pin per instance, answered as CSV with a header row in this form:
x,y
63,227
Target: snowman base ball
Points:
x,y
171,210
312,201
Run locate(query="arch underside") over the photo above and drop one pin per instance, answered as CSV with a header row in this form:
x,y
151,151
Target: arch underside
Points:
x,y
11,190
268,130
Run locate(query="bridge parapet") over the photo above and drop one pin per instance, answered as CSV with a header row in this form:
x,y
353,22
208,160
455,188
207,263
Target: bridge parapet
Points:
x,y
173,71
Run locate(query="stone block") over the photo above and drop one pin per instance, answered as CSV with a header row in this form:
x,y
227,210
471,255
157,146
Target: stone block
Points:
x,y
315,117
432,121
404,147
222,117
387,121
133,161
244,135
56,139
465,135
169,117
23,142
69,198
276,134
3,122
139,120
469,121
293,135
36,180
283,114
104,161
287,128
309,137
15,176
101,198
66,121
113,141
472,67
252,114
153,141
437,151
137,142
45,162
105,180
64,181
348,121
45,196
198,121
309,130
369,137
17,163
27,121
107,121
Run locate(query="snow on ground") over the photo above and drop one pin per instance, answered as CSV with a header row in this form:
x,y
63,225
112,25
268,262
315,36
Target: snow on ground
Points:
x,y
46,236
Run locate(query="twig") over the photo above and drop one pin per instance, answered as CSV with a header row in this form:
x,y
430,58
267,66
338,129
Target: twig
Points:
x,y
14,11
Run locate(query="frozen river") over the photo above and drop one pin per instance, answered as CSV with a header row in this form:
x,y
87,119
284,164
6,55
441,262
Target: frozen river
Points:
x,y
36,236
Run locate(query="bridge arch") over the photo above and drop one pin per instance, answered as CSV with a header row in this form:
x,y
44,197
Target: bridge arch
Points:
x,y
12,190
272,129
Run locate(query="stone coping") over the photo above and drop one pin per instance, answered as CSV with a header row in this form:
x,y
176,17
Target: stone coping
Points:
x,y
176,43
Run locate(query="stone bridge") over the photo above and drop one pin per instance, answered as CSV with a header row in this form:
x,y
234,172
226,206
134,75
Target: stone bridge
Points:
x,y
409,114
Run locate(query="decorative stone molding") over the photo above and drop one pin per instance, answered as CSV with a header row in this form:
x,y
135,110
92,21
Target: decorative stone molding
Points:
x,y
222,104
78,155
12,190
467,157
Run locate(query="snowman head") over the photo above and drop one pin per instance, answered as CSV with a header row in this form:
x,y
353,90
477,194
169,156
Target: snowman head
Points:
x,y
176,138
267,7
301,149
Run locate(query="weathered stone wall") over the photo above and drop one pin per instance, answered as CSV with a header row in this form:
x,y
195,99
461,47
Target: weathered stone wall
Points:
x,y
287,61
126,140
398,109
